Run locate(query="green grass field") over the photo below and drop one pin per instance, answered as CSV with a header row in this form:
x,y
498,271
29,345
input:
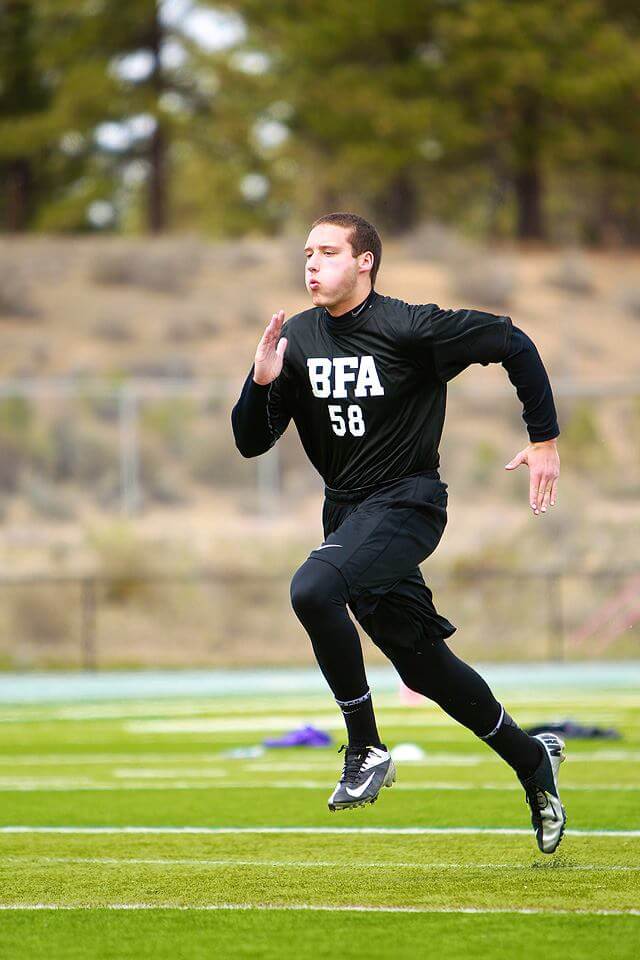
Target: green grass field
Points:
x,y
125,831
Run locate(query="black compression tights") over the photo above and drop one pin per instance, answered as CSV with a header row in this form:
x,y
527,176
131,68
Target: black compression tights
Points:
x,y
319,596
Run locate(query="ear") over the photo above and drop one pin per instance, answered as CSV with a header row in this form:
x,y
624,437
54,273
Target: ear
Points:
x,y
366,262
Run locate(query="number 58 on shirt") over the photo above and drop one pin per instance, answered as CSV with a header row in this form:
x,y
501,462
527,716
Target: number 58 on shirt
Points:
x,y
354,421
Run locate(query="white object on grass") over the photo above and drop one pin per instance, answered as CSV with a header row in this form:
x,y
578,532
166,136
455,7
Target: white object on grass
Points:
x,y
408,753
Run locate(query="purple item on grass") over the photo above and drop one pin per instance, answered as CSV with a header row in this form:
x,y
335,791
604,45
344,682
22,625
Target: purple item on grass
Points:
x,y
303,737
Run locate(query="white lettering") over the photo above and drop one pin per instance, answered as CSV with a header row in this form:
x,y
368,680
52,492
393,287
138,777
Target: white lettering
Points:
x,y
319,373
329,378
368,379
337,420
344,368
356,423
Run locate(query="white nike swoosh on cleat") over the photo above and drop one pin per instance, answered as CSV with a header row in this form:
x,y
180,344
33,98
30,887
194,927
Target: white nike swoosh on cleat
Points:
x,y
325,545
361,789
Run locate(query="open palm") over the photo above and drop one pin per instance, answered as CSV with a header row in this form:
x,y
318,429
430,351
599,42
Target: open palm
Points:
x,y
270,353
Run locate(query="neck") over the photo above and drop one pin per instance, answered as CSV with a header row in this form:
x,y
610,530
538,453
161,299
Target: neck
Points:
x,y
344,306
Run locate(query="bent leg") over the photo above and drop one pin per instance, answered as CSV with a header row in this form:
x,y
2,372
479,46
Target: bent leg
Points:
x,y
319,597
437,673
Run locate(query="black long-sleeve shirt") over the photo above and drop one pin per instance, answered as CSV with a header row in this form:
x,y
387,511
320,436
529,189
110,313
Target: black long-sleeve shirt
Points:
x,y
367,390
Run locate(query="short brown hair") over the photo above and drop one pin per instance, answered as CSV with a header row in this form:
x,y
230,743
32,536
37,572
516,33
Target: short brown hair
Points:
x,y
364,236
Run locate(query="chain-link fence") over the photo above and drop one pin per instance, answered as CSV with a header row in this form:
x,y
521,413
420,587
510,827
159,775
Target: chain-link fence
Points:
x,y
211,618
68,447
71,451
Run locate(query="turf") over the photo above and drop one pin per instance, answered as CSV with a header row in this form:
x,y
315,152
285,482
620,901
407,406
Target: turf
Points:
x,y
184,890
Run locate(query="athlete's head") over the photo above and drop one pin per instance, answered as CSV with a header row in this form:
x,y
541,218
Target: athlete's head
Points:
x,y
343,253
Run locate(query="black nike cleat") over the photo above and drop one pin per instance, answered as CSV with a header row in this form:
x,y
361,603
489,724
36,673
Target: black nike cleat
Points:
x,y
366,770
548,816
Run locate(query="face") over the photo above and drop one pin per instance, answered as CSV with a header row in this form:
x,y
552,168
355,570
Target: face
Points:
x,y
332,273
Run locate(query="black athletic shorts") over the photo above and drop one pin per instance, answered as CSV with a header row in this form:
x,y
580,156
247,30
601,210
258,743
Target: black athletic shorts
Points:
x,y
376,541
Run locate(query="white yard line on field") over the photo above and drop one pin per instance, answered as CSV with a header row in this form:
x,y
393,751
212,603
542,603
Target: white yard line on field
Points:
x,y
74,787
382,831
91,759
328,761
324,907
310,864
313,760
158,773
217,781
160,709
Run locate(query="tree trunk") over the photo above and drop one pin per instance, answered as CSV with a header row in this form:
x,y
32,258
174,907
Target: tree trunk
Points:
x,y
21,95
18,183
157,181
157,197
527,176
397,209
528,189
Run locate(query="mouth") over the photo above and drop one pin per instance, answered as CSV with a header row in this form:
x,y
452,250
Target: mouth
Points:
x,y
314,284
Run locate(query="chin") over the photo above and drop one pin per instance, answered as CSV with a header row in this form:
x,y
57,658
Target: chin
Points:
x,y
319,298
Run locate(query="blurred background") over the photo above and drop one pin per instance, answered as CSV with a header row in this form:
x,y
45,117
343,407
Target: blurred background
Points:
x,y
160,164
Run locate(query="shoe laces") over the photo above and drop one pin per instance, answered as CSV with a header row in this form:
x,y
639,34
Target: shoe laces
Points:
x,y
354,757
536,797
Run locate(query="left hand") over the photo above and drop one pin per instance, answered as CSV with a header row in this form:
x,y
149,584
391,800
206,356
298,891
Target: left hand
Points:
x,y
544,469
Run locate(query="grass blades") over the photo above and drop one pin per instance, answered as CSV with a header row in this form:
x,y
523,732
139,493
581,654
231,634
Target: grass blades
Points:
x,y
460,888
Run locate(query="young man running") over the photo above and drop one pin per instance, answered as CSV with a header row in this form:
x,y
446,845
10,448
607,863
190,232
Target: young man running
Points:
x,y
363,376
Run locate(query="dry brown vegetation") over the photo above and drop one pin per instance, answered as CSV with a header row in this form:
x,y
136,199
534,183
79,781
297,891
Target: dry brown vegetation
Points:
x,y
113,309
106,306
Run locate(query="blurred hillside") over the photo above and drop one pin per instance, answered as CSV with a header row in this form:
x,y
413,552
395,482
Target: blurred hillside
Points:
x,y
176,322
188,314
113,308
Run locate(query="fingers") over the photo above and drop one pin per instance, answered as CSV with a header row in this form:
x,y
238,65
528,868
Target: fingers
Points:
x,y
282,346
269,331
546,497
542,486
534,483
273,328
265,339
517,460
543,478
275,324
537,486
542,492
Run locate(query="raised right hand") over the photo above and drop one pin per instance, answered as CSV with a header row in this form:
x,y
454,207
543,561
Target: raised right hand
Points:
x,y
270,352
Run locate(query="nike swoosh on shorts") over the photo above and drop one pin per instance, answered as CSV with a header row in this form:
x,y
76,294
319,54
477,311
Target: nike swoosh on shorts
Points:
x,y
325,546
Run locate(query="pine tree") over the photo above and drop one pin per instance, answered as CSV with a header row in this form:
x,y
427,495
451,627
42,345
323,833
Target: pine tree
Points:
x,y
24,99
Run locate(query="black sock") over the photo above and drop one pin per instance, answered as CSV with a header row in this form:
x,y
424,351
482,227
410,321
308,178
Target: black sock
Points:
x,y
360,721
521,751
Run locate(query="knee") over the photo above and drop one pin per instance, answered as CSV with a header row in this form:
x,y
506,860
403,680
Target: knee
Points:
x,y
314,585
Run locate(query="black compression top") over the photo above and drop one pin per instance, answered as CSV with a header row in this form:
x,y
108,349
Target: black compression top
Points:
x,y
367,390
